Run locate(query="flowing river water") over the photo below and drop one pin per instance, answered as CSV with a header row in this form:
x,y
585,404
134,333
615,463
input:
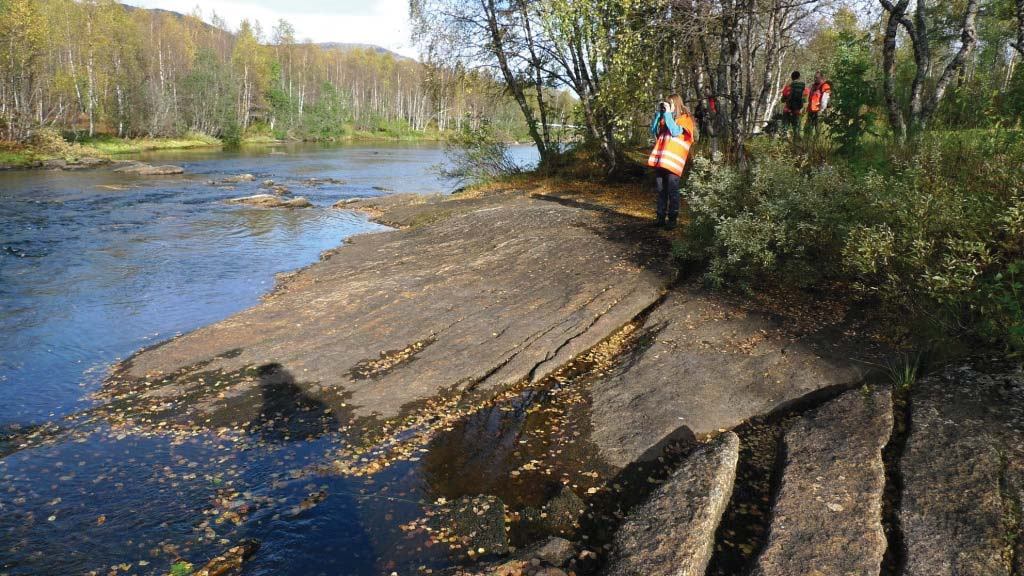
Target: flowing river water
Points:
x,y
95,265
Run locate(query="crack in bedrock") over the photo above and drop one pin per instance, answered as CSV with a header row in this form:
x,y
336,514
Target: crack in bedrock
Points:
x,y
894,560
1009,494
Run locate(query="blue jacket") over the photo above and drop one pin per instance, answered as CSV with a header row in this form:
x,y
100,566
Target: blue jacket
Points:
x,y
670,123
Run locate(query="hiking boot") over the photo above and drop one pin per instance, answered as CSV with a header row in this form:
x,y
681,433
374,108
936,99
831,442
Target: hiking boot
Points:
x,y
660,221
673,223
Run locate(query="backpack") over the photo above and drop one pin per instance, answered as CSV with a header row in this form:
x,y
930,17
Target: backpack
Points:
x,y
796,96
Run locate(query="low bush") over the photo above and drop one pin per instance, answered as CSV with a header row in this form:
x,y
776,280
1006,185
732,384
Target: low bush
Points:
x,y
476,156
940,233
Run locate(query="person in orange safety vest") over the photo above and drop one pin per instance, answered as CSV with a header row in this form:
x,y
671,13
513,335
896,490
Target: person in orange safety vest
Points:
x,y
820,93
674,130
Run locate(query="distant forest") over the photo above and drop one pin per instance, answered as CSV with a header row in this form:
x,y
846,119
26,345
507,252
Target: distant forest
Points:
x,y
99,67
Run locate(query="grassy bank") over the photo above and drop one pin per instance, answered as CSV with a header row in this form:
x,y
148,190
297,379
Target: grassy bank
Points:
x,y
14,155
112,145
48,145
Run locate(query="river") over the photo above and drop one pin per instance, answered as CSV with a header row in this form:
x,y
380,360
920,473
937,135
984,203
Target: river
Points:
x,y
95,265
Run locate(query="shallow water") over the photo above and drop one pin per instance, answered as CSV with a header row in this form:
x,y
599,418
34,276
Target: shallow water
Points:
x,y
95,265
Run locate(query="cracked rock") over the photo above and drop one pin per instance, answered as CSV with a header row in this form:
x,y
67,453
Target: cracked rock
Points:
x,y
962,472
673,533
827,517
711,365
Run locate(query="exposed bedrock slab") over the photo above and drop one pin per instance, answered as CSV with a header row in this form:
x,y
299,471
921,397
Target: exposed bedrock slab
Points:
x,y
962,472
827,518
494,292
673,532
710,365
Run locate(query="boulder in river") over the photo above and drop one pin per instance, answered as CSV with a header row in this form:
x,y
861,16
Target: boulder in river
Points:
x,y
673,532
238,179
963,472
827,517
149,170
271,201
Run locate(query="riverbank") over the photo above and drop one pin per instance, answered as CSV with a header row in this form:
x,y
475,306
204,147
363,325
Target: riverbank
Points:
x,y
535,360
52,151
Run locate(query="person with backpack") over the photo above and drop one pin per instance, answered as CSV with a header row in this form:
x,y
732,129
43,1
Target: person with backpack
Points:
x,y
820,93
793,95
674,129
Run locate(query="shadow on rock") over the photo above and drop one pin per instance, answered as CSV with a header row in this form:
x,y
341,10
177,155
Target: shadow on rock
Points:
x,y
287,412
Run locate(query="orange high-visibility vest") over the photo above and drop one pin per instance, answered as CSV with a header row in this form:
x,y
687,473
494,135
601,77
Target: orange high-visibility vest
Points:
x,y
671,153
816,92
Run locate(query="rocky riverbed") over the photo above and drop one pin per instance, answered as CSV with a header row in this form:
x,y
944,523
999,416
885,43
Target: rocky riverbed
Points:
x,y
572,399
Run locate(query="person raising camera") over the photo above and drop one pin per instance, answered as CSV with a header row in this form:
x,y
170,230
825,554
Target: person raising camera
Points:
x,y
673,129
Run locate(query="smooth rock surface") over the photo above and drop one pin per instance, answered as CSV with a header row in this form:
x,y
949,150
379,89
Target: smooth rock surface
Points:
x,y
488,293
961,472
827,518
673,533
270,201
710,365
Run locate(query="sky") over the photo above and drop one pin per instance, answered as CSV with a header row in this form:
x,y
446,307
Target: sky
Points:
x,y
384,23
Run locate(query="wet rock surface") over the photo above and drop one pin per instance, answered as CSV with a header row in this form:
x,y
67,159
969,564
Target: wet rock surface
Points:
x,y
474,525
827,517
487,292
960,509
673,532
271,201
710,365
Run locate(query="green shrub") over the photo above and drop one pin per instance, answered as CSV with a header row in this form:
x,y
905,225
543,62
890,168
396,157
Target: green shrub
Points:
x,y
939,234
777,222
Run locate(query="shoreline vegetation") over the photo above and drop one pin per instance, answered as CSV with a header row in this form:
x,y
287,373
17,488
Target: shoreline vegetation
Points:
x,y
102,149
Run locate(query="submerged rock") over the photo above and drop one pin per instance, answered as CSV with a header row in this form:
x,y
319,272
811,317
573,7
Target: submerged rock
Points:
x,y
322,181
271,201
231,560
710,365
673,532
827,517
962,472
148,170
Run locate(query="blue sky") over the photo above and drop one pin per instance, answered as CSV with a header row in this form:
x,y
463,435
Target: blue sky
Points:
x,y
381,22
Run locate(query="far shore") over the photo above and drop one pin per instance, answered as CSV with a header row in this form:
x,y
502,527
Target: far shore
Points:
x,y
102,150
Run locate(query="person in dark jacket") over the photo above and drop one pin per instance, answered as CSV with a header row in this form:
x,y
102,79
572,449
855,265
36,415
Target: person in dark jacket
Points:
x,y
794,95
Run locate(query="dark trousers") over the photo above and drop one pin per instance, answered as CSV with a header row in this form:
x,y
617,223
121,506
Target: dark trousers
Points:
x,y
668,193
813,124
791,122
